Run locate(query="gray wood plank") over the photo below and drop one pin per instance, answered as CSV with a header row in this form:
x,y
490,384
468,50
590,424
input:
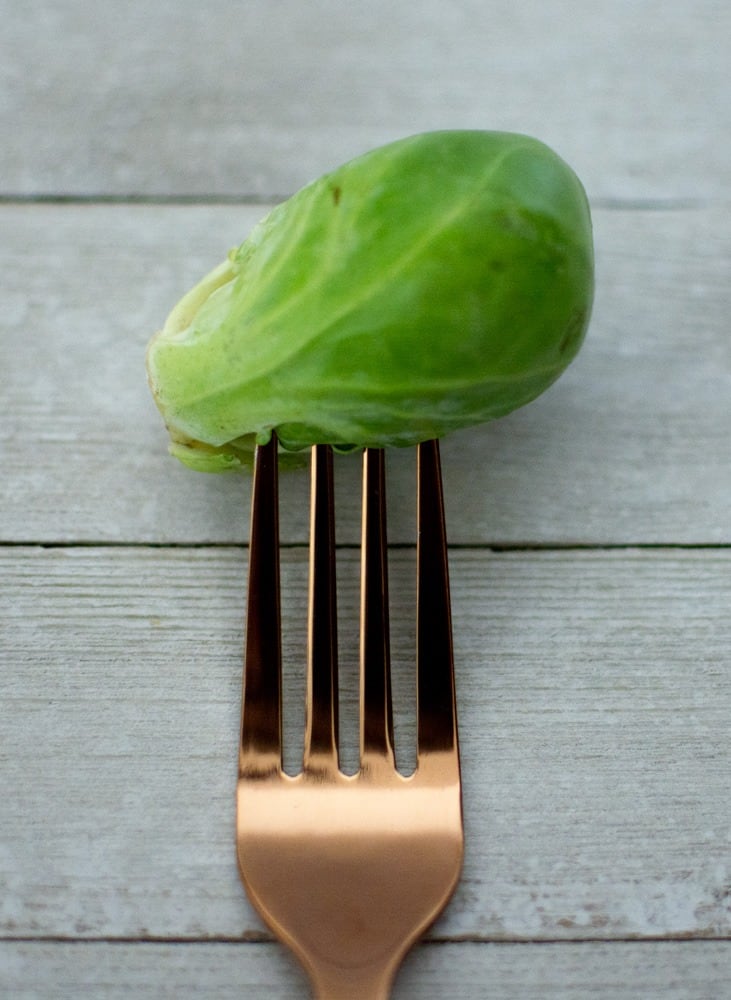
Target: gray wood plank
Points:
x,y
594,693
630,446
464,971
258,98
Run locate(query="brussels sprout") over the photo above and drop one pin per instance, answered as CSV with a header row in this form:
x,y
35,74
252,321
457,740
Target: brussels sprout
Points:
x,y
430,284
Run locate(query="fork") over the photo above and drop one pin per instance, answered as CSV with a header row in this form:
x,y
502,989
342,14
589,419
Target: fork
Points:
x,y
349,870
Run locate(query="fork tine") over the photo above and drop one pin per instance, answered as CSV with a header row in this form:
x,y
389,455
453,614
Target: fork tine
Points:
x,y
261,712
436,702
321,734
376,718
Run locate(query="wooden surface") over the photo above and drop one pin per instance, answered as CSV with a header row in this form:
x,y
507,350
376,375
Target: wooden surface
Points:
x,y
590,531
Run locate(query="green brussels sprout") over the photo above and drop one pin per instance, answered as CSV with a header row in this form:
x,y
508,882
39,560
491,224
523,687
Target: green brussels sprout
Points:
x,y
433,283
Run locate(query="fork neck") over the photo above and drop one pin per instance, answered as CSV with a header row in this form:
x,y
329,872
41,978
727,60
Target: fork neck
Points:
x,y
349,984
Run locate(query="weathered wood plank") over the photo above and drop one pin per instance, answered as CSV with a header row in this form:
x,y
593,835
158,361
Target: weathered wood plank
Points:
x,y
594,691
462,971
594,686
630,446
260,98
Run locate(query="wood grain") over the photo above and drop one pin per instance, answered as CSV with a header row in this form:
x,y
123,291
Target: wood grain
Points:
x,y
463,971
142,141
258,98
594,696
630,446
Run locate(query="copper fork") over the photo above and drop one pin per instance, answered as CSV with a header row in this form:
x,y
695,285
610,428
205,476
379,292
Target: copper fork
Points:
x,y
349,870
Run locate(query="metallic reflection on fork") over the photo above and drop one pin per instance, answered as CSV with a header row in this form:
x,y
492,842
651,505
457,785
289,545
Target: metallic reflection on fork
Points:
x,y
349,870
